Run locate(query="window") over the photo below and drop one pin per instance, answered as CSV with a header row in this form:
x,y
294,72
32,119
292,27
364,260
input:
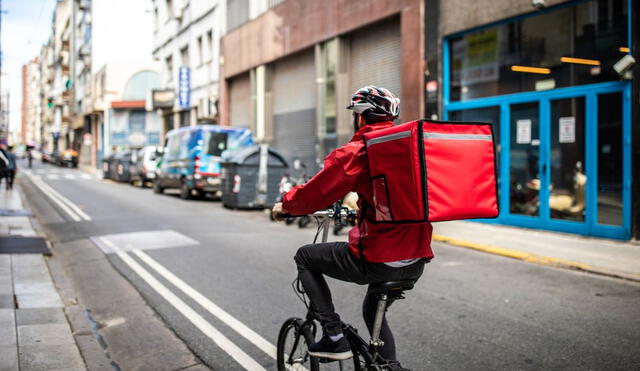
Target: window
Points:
x,y
569,46
329,63
216,143
169,67
156,20
184,56
200,51
210,45
170,15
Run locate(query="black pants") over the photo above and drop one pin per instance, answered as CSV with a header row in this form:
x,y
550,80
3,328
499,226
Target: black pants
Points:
x,y
335,260
11,175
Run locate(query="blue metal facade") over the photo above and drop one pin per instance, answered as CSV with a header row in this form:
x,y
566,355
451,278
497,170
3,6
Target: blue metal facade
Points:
x,y
544,98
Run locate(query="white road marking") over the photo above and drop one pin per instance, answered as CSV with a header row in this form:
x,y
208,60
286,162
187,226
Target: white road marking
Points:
x,y
85,176
40,185
146,240
53,176
213,333
222,315
69,176
69,207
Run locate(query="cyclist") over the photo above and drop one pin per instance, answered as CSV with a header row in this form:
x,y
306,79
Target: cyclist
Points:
x,y
375,252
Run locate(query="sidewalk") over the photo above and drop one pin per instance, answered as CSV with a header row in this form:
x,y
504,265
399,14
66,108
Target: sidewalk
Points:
x,y
599,256
34,332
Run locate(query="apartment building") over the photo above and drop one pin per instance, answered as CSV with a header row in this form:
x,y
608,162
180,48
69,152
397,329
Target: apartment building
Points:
x,y
288,68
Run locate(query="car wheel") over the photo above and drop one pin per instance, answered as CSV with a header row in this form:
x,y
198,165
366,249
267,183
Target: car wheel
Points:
x,y
185,191
156,187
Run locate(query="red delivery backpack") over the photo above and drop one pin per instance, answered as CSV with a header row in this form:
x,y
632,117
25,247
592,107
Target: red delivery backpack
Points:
x,y
430,171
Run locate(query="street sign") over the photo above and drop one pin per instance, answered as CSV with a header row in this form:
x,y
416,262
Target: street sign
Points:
x,y
184,88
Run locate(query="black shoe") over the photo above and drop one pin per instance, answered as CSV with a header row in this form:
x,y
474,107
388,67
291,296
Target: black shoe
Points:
x,y
395,366
329,349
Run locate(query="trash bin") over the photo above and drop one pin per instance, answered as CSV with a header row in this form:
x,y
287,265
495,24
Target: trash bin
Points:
x,y
251,177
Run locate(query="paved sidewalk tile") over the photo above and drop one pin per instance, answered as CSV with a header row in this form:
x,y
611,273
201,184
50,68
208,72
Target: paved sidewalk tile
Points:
x,y
8,358
7,328
50,334
39,316
50,357
40,300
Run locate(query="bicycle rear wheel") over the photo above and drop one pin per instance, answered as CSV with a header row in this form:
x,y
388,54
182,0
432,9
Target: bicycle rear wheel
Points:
x,y
293,343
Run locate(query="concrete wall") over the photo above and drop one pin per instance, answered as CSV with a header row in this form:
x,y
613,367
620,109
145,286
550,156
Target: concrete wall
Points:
x,y
460,15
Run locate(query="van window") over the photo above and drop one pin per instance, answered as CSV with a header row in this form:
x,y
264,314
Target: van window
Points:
x,y
216,143
174,147
184,144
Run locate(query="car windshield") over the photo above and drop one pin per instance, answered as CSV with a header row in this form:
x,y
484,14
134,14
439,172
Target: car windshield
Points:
x,y
218,142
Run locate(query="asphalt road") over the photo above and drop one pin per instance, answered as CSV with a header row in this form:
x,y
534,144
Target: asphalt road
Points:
x,y
470,310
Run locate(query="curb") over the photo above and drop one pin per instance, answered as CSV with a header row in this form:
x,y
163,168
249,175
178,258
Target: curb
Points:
x,y
536,259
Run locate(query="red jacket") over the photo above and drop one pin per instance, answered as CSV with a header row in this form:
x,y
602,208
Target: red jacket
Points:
x,y
347,169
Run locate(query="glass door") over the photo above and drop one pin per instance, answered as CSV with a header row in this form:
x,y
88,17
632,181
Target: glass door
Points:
x,y
524,159
567,162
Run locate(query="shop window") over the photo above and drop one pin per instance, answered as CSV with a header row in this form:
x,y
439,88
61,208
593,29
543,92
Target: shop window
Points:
x,y
572,45
610,159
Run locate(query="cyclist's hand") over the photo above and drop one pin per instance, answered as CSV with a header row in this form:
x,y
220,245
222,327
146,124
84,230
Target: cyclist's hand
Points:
x,y
278,213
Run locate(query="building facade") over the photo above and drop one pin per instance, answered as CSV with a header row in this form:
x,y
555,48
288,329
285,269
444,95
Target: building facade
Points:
x,y
544,76
31,104
289,68
186,37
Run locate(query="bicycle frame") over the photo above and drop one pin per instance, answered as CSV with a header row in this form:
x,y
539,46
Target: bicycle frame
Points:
x,y
359,346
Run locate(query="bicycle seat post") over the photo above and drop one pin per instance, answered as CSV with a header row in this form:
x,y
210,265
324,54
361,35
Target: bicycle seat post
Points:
x,y
377,323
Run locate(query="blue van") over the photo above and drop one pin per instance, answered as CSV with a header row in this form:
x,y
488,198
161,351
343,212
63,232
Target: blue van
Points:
x,y
191,158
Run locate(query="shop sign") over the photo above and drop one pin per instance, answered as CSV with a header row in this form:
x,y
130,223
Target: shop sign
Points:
x,y
162,98
86,139
184,88
523,131
567,129
482,54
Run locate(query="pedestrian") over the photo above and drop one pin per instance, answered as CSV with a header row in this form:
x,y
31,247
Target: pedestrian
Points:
x,y
12,167
4,163
29,157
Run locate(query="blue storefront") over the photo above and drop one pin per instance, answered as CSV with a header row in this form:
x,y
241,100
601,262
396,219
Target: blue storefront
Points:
x,y
562,113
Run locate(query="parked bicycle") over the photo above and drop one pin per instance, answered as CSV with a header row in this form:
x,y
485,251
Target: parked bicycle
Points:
x,y
296,334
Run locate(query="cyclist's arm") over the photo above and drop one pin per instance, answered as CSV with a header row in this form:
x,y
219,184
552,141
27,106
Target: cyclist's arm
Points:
x,y
325,188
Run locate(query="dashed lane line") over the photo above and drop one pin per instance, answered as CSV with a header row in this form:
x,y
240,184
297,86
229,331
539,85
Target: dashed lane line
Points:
x,y
53,176
197,320
218,312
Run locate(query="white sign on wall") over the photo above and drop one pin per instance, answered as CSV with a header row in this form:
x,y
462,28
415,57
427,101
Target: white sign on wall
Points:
x,y
523,128
567,129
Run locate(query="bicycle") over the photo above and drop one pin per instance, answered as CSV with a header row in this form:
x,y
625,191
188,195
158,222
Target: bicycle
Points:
x,y
296,334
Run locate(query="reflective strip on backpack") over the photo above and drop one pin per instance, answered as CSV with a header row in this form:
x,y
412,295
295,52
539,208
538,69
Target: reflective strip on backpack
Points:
x,y
458,136
388,138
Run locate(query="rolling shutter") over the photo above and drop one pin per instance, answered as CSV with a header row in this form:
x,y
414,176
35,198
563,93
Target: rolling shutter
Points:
x,y
240,101
294,111
376,57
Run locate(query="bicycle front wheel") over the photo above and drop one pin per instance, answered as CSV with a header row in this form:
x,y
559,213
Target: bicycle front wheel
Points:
x,y
293,343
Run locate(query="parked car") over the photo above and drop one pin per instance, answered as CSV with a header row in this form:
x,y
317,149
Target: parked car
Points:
x,y
144,163
68,158
120,167
45,156
191,158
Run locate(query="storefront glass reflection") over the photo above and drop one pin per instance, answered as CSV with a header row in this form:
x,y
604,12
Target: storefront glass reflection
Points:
x,y
610,159
570,46
567,196
524,154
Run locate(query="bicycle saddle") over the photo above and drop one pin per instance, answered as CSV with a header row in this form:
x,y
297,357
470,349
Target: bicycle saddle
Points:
x,y
388,286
